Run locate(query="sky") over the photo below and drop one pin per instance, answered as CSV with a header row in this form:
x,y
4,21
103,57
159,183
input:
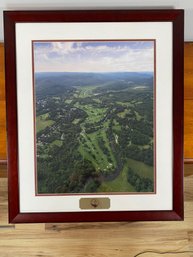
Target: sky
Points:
x,y
93,56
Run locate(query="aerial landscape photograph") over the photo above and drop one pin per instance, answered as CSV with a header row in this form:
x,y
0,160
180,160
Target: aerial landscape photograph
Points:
x,y
94,116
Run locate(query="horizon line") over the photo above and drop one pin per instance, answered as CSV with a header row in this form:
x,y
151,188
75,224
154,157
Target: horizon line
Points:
x,y
93,71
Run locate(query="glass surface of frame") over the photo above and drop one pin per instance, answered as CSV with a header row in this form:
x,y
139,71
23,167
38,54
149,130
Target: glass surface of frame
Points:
x,y
96,116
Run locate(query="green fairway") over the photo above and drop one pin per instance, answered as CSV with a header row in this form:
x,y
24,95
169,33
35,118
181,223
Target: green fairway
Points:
x,y
116,126
139,117
86,91
94,114
123,114
75,121
68,101
127,104
57,142
120,184
141,168
91,151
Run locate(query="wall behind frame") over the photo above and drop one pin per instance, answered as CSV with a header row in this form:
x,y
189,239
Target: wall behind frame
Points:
x,y
100,4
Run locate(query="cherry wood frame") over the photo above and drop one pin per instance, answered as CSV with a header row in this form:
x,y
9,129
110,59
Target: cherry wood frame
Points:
x,y
10,20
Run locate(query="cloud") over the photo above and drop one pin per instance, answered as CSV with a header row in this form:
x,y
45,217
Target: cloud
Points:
x,y
94,56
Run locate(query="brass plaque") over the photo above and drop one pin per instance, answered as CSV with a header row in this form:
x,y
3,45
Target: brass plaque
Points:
x,y
94,203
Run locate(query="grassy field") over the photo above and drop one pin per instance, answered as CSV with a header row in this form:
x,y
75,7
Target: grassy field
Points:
x,y
120,184
57,142
138,117
86,91
75,121
68,101
123,114
141,168
42,122
125,104
94,114
116,126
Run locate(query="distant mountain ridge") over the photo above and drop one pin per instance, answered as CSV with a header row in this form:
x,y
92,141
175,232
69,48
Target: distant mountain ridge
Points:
x,y
53,83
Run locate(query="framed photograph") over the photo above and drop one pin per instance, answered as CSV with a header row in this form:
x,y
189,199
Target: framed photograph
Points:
x,y
94,115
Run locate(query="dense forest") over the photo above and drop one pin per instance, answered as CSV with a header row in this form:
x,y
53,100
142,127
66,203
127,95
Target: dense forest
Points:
x,y
94,132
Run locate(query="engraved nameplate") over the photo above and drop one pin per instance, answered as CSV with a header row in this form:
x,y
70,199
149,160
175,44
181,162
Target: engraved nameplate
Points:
x,y
94,203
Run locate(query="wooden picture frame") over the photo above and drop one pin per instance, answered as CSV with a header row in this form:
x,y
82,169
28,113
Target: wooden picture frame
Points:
x,y
24,30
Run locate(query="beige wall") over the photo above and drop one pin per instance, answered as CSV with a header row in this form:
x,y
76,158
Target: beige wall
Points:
x,y
101,4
